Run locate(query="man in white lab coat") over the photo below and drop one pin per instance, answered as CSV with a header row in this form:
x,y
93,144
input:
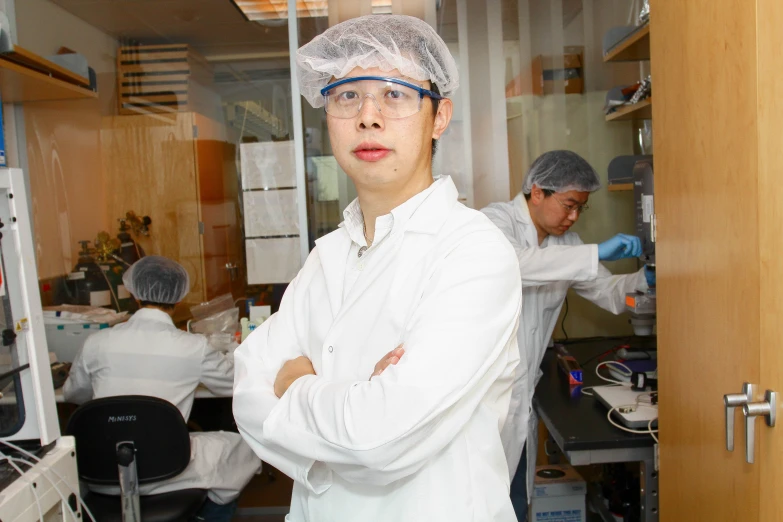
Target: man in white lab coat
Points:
x,y
148,355
552,260
382,383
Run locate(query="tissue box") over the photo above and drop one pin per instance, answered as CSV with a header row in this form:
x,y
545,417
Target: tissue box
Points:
x,y
558,495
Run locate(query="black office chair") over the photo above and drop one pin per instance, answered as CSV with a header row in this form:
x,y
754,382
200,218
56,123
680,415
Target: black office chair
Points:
x,y
133,440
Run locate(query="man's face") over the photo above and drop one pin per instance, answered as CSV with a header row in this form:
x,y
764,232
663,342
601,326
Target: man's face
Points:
x,y
379,152
557,213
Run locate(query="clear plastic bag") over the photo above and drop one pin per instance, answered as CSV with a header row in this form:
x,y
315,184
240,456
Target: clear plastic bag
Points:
x,y
218,320
218,304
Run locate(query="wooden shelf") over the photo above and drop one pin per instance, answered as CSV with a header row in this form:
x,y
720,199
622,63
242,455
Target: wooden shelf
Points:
x,y
19,84
639,111
620,187
635,47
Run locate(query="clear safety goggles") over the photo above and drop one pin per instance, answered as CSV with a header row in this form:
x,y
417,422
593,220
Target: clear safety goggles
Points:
x,y
393,97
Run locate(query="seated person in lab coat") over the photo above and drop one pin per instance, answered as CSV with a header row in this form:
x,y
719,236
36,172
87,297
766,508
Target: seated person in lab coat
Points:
x,y
552,260
148,355
382,383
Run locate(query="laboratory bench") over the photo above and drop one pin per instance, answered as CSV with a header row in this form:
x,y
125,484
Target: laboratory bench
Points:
x,y
578,426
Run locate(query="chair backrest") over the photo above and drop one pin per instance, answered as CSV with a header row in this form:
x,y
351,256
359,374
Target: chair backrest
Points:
x,y
155,427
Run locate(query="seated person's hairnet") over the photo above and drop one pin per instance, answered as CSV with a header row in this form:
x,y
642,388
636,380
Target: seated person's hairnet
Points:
x,y
157,279
388,42
561,171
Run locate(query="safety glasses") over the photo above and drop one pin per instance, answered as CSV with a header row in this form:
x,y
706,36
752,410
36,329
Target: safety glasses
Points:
x,y
393,97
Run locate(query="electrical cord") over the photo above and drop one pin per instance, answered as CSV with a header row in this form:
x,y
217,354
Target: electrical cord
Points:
x,y
648,431
48,469
43,475
618,366
652,433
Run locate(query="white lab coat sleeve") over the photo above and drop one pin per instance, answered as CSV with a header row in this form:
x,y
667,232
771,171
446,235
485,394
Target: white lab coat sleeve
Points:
x,y
542,266
217,371
256,364
460,341
608,291
78,386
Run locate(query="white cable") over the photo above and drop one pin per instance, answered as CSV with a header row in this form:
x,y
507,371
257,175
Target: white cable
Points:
x,y
59,493
47,468
618,366
648,431
29,483
649,427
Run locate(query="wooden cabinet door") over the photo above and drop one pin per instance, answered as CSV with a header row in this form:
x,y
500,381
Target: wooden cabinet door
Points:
x,y
219,210
719,202
711,273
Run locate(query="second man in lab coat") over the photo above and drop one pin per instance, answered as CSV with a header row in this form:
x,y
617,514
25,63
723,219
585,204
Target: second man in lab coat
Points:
x,y
553,259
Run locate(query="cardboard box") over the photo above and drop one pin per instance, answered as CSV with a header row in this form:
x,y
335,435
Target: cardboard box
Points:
x,y
542,76
558,495
545,75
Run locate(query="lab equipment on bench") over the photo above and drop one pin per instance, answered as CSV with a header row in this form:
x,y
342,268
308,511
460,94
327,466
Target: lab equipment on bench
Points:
x,y
31,413
568,364
38,475
130,251
641,305
86,284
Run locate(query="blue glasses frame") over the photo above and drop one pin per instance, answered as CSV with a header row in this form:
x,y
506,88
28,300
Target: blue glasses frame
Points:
x,y
422,92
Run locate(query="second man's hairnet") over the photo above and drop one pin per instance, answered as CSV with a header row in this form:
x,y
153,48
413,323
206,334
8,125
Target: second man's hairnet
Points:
x,y
561,171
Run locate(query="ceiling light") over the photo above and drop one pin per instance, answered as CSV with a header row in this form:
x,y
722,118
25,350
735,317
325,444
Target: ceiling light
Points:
x,y
263,10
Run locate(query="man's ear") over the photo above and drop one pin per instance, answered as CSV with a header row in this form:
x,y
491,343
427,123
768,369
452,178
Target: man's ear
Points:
x,y
536,195
442,118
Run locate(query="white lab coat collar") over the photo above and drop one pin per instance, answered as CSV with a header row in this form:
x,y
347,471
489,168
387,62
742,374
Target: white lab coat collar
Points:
x,y
151,314
426,218
400,215
521,212
522,215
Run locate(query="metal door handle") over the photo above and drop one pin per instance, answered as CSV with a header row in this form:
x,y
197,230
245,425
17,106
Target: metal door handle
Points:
x,y
765,409
735,400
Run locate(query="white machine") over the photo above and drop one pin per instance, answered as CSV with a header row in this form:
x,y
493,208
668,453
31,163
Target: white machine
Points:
x,y
38,474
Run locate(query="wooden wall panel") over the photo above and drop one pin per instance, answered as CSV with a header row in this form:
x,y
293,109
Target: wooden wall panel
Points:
x,y
66,182
150,167
706,194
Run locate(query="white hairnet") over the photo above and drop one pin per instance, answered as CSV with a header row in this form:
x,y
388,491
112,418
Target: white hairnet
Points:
x,y
561,171
157,279
388,42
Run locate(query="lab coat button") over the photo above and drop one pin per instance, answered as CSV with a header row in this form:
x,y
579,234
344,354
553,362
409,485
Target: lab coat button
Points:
x,y
331,349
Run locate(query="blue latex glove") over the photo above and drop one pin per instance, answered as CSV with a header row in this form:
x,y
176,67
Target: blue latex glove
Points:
x,y
621,246
649,274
